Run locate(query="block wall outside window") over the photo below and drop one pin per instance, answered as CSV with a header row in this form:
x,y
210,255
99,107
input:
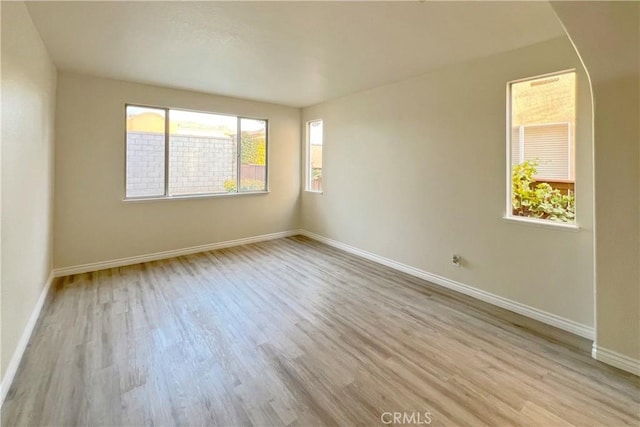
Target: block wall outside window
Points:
x,y
202,150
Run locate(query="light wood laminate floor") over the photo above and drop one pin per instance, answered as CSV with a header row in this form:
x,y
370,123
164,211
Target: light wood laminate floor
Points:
x,y
293,332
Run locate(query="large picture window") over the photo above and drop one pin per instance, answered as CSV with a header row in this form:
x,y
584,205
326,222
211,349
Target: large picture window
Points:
x,y
541,148
171,152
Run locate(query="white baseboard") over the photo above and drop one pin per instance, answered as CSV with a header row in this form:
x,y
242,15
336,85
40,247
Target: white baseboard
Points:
x,y
14,363
616,359
95,266
525,310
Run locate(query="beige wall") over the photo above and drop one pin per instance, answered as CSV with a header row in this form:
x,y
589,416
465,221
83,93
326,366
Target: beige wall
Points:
x,y
415,172
28,106
612,57
93,223
398,148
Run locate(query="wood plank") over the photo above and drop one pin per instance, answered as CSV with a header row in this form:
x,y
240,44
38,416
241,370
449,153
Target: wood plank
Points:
x,y
293,332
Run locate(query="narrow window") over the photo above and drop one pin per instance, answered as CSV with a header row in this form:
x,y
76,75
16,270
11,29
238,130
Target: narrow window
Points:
x,y
173,152
145,152
541,147
314,155
253,158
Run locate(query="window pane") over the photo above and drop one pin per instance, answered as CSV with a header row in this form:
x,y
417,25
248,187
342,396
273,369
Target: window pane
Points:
x,y
253,155
145,151
315,155
202,153
548,145
543,147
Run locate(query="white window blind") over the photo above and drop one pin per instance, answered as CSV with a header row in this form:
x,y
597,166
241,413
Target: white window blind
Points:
x,y
548,144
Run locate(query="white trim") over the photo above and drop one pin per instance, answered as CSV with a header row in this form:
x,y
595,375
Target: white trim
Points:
x,y
14,363
525,310
101,265
616,359
542,76
520,144
570,165
544,223
192,196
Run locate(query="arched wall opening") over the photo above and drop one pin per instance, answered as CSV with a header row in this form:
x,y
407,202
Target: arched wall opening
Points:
x,y
606,36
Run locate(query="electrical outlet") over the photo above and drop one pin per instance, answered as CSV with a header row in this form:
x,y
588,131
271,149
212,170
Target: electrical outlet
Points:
x,y
456,260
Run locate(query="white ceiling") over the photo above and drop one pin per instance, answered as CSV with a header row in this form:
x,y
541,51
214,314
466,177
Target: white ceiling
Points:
x,y
292,53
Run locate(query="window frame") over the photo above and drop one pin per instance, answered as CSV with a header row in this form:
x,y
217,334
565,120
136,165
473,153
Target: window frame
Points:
x,y
508,215
307,173
167,124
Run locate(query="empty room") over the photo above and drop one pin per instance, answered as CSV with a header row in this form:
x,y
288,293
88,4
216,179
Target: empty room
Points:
x,y
320,213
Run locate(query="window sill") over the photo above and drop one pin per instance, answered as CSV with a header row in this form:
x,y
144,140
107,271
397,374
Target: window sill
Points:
x,y
192,196
313,191
542,223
